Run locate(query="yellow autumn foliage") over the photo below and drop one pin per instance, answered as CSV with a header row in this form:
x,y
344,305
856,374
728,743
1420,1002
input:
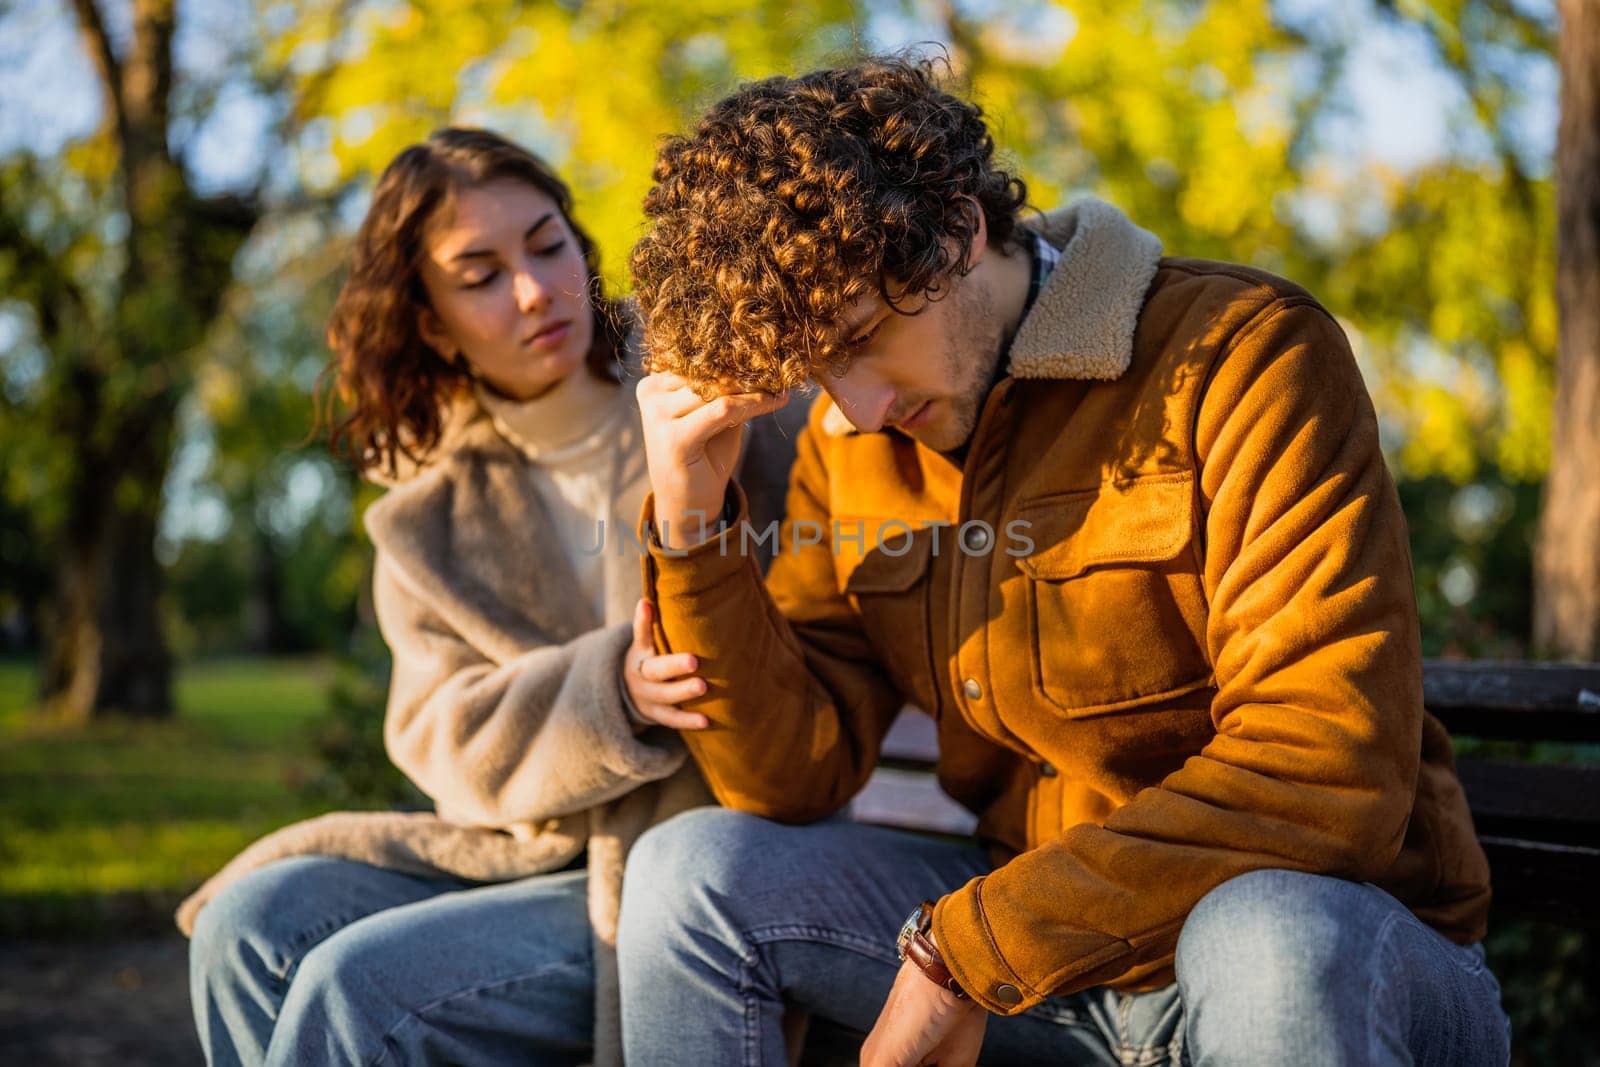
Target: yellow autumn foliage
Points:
x,y
1191,116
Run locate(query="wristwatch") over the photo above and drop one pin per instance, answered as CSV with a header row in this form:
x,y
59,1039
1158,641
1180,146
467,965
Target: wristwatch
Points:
x,y
915,945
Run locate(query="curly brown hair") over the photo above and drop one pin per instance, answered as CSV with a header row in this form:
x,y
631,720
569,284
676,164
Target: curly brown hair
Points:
x,y
793,198
394,387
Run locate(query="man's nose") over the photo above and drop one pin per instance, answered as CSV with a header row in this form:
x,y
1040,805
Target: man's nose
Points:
x,y
863,400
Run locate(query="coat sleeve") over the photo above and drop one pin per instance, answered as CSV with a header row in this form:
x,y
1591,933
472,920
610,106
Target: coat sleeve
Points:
x,y
542,735
1313,637
797,700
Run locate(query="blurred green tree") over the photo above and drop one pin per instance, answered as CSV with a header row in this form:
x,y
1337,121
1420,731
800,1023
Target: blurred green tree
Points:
x,y
122,266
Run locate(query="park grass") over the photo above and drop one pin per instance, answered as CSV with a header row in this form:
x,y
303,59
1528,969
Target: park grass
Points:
x,y
124,817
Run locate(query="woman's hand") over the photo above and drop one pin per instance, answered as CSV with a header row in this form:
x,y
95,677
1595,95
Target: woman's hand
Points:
x,y
658,684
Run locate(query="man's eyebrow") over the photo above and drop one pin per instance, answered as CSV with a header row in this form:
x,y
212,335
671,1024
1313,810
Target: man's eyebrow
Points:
x,y
479,253
853,331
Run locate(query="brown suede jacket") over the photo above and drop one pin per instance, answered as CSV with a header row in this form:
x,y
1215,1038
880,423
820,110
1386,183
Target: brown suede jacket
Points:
x,y
1163,615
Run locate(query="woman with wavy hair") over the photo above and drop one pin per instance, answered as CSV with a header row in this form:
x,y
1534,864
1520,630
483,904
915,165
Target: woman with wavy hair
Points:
x,y
481,367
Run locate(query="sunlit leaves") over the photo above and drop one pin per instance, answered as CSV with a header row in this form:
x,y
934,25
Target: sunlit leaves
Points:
x,y
1202,120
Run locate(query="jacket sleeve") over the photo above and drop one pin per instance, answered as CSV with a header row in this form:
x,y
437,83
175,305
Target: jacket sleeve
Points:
x,y
1313,637
813,702
542,735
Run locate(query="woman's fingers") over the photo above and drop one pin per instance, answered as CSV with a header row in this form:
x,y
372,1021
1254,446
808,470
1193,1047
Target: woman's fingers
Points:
x,y
666,668
670,692
674,718
657,684
643,641
642,658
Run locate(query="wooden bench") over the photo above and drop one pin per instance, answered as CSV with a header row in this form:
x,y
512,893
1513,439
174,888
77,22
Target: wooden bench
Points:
x,y
1539,822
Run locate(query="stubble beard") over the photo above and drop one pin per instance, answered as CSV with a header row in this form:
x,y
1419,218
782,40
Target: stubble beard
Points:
x,y
971,351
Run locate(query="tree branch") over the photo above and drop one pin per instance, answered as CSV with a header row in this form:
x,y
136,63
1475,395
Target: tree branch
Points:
x,y
313,90
39,278
147,78
93,28
1457,57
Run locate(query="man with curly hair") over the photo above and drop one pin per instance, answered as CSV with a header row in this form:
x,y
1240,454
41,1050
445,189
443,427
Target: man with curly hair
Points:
x,y
1120,523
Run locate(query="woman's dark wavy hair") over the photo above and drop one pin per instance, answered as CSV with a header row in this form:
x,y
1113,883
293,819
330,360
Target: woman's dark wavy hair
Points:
x,y
796,196
394,387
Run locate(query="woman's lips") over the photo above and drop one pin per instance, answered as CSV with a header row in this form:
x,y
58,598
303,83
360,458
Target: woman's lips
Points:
x,y
550,336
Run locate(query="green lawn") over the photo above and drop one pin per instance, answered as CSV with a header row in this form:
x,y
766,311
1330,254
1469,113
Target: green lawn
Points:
x,y
129,811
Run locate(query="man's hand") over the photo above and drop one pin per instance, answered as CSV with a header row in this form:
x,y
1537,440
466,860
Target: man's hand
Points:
x,y
923,1024
691,446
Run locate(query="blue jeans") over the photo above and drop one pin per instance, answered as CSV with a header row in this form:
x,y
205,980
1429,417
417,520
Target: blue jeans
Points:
x,y
322,961
726,918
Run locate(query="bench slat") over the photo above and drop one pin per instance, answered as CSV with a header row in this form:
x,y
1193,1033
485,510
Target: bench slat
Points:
x,y
1541,880
1515,701
1553,802
1506,701
912,738
910,800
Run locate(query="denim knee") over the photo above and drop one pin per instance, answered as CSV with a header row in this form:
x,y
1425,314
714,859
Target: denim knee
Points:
x,y
1275,930
689,869
338,967
338,1010
1274,963
703,847
217,943
246,927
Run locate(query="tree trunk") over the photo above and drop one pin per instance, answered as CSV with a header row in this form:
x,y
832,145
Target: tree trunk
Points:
x,y
118,409
1567,592
106,651
266,615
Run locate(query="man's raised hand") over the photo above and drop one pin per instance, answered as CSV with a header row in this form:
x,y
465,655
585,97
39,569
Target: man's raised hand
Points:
x,y
691,446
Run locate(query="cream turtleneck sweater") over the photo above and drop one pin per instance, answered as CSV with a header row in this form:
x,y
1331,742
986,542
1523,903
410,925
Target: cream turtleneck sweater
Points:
x,y
586,458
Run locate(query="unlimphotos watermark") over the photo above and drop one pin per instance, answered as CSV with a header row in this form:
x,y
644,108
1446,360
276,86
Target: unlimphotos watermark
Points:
x,y
892,537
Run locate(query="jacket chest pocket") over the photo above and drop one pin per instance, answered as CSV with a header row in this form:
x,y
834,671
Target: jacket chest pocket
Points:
x,y
1115,605
889,587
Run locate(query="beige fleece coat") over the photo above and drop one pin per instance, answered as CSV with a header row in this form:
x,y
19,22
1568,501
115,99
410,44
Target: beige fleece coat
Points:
x,y
505,704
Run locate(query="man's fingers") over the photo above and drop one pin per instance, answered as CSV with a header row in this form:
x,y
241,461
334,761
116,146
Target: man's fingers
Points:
x,y
725,413
667,668
662,381
673,403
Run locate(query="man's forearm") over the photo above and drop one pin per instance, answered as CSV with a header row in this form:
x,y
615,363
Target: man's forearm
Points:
x,y
778,744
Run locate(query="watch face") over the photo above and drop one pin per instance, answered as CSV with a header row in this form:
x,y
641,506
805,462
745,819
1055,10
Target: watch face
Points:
x,y
908,930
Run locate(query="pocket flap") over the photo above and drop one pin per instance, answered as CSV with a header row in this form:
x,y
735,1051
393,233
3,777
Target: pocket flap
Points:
x,y
1147,520
882,571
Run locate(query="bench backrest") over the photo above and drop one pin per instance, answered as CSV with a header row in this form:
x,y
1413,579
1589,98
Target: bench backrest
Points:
x,y
1538,817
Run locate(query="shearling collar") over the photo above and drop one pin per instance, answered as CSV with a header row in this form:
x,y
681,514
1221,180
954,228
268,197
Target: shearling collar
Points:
x,y
1083,322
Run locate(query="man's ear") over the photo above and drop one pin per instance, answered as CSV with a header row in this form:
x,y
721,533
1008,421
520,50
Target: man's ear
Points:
x,y
980,233
432,329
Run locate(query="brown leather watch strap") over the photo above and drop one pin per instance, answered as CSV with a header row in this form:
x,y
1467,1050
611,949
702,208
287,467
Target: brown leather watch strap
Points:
x,y
921,951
